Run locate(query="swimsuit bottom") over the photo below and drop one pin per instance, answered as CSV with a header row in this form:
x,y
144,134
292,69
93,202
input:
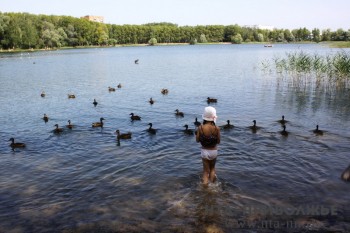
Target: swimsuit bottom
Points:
x,y
209,154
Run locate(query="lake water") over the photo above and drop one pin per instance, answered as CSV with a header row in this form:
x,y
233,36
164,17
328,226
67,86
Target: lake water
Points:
x,y
83,180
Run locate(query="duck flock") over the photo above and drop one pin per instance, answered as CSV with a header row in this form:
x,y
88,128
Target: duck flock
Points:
x,y
128,135
57,129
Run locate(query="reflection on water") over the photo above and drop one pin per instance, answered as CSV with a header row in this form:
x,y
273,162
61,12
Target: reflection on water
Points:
x,y
83,180
306,92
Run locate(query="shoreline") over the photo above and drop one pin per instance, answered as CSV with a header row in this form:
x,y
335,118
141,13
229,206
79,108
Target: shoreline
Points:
x,y
331,44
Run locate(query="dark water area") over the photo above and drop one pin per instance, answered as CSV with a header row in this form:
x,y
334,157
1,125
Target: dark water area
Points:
x,y
84,180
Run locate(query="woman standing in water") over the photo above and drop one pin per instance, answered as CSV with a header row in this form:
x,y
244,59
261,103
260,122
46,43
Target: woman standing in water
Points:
x,y
208,134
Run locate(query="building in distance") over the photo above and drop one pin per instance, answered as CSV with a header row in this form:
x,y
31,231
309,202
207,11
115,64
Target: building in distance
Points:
x,y
94,18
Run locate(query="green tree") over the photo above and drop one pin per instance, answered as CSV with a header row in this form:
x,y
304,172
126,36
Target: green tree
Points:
x,y
4,22
326,35
101,34
193,41
230,31
202,39
152,41
237,39
260,37
248,33
13,34
280,37
215,33
288,35
316,35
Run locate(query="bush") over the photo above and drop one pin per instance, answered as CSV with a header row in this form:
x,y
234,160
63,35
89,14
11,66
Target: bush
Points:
x,y
236,39
193,41
152,41
203,39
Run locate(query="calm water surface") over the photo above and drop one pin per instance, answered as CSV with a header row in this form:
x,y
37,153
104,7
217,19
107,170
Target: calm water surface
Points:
x,y
83,180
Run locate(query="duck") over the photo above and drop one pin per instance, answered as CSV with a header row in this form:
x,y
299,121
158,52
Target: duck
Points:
x,y
254,127
71,96
164,91
135,117
69,126
136,61
212,100
346,174
45,118
123,135
196,122
151,101
282,121
318,131
95,102
119,85
57,129
228,125
98,124
178,113
284,132
187,130
42,94
16,144
111,89
150,129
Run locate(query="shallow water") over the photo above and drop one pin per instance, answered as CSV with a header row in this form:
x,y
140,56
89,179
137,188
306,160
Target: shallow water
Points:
x,y
83,180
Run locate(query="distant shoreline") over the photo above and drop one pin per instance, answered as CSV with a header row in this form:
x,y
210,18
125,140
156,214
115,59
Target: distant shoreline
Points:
x,y
331,44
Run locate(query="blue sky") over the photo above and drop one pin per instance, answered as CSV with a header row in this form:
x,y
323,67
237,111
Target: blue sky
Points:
x,y
286,14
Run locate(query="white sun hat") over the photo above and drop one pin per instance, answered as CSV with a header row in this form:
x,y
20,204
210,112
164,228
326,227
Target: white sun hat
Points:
x,y
209,114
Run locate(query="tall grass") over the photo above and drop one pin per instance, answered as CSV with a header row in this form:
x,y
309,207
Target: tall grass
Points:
x,y
330,70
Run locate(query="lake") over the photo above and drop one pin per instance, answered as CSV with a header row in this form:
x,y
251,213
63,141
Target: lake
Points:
x,y
84,180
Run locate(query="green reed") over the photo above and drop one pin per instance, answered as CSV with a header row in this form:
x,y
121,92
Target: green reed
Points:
x,y
332,68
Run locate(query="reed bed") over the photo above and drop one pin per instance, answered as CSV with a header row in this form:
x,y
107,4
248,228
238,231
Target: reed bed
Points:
x,y
300,68
335,66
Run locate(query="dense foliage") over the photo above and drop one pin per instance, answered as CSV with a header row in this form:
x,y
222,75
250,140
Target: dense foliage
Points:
x,y
26,31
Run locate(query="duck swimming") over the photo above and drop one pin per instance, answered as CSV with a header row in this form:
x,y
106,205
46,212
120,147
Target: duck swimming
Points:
x,y
151,130
187,130
119,85
57,129
151,101
282,121
228,125
71,96
135,117
123,136
69,126
136,61
95,102
45,118
178,113
164,91
196,122
111,89
98,124
254,127
16,144
211,100
318,131
42,94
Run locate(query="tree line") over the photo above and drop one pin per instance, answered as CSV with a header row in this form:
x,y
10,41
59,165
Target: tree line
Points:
x,y
29,31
